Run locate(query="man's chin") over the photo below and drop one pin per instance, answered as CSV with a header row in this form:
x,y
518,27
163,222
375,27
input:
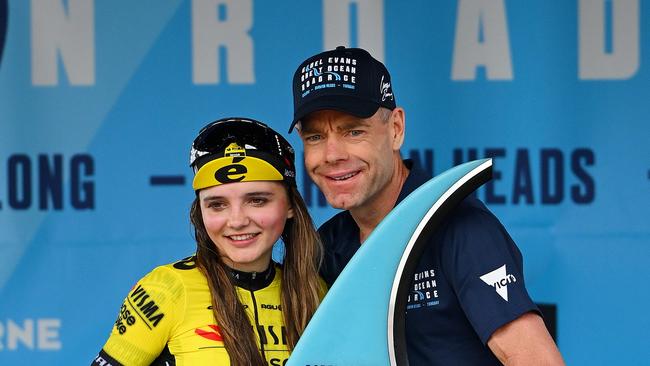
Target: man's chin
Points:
x,y
341,203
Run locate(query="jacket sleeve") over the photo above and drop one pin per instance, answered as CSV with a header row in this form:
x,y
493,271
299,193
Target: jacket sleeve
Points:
x,y
145,320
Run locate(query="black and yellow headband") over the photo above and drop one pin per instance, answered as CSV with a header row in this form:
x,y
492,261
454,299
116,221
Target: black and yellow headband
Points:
x,y
240,150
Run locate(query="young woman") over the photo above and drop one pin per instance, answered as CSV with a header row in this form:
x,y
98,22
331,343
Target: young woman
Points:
x,y
229,304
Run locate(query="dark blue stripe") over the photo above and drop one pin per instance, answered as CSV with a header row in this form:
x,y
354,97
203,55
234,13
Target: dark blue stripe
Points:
x,y
167,180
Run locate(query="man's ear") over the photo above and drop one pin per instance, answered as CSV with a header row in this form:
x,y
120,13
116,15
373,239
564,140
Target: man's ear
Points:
x,y
398,127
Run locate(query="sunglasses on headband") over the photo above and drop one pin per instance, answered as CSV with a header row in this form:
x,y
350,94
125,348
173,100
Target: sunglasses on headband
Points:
x,y
234,137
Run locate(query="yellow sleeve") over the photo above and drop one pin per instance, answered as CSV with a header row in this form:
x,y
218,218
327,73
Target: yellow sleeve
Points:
x,y
147,318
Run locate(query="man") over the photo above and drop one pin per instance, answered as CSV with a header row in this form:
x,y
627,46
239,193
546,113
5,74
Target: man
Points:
x,y
352,131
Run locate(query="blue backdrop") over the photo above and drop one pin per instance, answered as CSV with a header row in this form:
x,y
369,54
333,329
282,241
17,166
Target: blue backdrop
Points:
x,y
99,101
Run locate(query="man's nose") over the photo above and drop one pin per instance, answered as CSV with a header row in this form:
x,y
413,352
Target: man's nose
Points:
x,y
334,150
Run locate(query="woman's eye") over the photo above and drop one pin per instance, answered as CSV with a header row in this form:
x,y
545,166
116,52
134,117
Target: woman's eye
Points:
x,y
258,201
217,205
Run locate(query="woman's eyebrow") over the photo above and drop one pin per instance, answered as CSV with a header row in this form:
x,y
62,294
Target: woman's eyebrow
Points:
x,y
212,198
261,193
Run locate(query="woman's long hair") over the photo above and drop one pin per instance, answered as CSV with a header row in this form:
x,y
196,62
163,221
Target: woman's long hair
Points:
x,y
301,289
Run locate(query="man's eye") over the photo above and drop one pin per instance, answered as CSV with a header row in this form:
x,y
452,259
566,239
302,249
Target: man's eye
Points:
x,y
312,138
355,133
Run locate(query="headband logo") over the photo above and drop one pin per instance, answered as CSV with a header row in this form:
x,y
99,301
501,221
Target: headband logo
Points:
x,y
234,172
231,173
234,150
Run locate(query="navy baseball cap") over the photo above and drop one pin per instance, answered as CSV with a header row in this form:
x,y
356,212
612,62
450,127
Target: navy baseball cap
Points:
x,y
349,80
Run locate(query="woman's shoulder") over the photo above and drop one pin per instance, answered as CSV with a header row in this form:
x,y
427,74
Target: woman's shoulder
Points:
x,y
175,275
185,265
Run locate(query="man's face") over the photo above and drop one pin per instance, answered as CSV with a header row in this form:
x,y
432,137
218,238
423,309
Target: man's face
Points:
x,y
351,159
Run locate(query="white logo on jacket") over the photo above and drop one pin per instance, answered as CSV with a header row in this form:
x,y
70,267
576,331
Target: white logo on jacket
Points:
x,y
499,279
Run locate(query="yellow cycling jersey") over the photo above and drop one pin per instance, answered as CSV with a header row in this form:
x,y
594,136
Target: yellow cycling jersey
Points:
x,y
167,319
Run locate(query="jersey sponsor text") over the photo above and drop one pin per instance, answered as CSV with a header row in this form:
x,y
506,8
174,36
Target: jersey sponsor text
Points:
x,y
144,307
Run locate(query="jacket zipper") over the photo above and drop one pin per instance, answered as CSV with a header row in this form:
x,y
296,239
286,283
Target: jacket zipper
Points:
x,y
257,319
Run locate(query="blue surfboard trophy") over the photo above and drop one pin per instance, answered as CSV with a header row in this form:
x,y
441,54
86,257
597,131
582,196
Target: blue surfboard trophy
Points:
x,y
361,320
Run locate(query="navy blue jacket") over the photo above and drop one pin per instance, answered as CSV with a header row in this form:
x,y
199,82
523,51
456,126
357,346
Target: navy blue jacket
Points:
x,y
468,283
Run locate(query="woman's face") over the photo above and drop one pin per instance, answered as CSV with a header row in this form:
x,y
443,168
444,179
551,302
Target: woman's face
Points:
x,y
244,220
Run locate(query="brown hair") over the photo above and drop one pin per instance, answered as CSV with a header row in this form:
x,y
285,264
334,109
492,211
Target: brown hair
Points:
x,y
301,290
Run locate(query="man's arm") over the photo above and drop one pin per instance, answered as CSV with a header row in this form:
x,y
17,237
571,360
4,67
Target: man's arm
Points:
x,y
525,341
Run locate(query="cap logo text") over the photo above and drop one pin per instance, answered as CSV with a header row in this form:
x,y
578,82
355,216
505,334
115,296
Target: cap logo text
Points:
x,y
331,73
